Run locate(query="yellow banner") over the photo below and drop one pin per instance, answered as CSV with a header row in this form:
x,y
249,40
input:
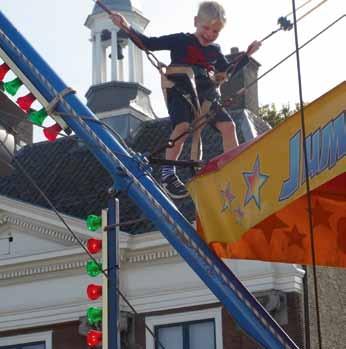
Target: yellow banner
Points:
x,y
241,189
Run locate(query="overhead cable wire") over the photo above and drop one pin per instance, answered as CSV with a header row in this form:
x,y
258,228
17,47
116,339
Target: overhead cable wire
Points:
x,y
286,25
307,178
300,7
242,90
312,10
199,123
151,57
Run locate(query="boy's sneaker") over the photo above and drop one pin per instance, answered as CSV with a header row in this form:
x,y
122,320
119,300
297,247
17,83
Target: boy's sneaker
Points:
x,y
174,187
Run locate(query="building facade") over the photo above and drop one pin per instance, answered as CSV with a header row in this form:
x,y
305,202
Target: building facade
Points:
x,y
42,267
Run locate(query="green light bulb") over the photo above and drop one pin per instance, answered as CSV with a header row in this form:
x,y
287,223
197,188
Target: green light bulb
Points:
x,y
93,222
94,315
12,86
93,268
37,116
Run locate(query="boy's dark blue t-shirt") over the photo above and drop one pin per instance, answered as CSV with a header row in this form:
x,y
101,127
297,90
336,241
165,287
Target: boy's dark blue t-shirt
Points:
x,y
186,49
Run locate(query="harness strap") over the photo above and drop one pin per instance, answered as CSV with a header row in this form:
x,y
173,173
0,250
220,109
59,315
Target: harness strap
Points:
x,y
166,83
58,98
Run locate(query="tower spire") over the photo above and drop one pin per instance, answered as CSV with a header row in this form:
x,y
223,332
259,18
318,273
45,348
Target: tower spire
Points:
x,y
117,94
114,57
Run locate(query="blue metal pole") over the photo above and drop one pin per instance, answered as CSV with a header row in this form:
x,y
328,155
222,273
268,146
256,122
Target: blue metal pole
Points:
x,y
129,174
113,274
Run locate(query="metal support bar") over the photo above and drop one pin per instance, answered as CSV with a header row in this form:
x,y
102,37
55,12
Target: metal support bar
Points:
x,y
113,274
129,174
180,163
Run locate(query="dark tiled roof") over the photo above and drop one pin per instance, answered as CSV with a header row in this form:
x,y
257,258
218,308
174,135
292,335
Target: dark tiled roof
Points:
x,y
77,184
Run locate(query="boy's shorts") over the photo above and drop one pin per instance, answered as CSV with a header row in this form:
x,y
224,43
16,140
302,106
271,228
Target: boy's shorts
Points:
x,y
180,110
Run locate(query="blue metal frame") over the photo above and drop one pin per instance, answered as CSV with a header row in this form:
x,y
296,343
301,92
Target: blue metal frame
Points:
x,y
113,332
129,173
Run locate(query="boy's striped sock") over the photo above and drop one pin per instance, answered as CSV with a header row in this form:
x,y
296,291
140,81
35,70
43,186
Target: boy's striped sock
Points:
x,y
166,171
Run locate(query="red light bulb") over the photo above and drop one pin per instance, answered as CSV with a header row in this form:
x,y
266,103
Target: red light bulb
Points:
x,y
4,68
52,132
94,245
26,101
94,338
94,291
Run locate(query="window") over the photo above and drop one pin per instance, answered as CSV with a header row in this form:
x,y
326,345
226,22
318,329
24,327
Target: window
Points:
x,y
37,345
187,335
201,329
39,340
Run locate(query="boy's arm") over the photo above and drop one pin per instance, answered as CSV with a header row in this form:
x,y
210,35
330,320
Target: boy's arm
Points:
x,y
253,47
120,21
166,42
226,67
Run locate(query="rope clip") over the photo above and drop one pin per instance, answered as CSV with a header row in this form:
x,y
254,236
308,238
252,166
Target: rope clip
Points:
x,y
285,24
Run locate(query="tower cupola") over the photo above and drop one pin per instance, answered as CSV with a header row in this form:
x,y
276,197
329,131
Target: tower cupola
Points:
x,y
117,94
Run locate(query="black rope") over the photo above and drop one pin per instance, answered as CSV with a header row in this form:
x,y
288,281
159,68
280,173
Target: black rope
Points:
x,y
124,223
299,7
182,163
116,134
290,55
100,122
284,23
171,142
151,57
45,197
196,124
308,191
158,65
179,163
242,90
59,215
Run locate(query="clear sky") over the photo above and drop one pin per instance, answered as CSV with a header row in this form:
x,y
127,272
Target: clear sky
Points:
x,y
56,30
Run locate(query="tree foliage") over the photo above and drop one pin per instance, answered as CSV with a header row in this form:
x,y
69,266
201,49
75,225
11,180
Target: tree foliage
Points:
x,y
273,115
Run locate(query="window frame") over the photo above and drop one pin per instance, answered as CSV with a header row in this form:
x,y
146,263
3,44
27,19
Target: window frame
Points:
x,y
186,317
29,338
185,330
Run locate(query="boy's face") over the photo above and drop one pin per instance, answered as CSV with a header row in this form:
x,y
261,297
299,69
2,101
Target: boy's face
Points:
x,y
207,31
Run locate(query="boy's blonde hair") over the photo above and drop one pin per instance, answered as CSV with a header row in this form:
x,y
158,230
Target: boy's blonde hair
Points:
x,y
211,11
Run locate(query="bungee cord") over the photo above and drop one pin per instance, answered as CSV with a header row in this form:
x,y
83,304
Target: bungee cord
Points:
x,y
299,7
199,124
116,134
151,57
307,177
200,120
204,119
242,90
311,10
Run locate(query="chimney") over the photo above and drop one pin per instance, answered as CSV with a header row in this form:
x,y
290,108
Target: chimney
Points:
x,y
249,100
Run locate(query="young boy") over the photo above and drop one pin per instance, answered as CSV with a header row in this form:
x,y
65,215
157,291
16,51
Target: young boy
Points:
x,y
199,51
